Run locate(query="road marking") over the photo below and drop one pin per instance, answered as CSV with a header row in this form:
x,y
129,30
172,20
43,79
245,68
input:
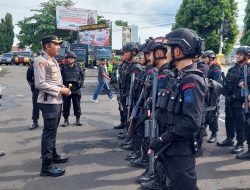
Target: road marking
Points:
x,y
222,120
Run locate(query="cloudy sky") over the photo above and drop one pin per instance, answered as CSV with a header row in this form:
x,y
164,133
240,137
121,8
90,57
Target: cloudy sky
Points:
x,y
154,17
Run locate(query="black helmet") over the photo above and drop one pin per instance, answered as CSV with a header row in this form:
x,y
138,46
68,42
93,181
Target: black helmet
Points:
x,y
158,45
133,46
143,48
70,54
125,48
188,40
209,54
244,50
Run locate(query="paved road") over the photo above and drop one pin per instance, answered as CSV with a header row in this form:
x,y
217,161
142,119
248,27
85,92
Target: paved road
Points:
x,y
96,160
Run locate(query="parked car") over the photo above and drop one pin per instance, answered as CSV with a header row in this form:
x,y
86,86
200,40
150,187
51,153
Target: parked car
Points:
x,y
24,58
7,58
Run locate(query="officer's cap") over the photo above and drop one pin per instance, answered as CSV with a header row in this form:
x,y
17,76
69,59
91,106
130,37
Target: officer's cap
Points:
x,y
51,39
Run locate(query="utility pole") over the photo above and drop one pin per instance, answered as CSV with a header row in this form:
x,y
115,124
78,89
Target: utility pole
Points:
x,y
221,33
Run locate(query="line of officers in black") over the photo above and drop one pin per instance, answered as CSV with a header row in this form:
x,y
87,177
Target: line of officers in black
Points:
x,y
73,78
167,100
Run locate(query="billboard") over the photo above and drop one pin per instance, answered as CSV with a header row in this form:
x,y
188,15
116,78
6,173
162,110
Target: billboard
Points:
x,y
103,52
93,27
100,37
70,18
126,35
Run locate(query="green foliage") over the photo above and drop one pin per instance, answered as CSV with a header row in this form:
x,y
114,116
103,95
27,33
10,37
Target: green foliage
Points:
x,y
6,33
43,23
245,40
121,23
102,20
205,17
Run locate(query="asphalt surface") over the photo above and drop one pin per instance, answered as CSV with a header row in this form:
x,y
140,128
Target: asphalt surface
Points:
x,y
96,159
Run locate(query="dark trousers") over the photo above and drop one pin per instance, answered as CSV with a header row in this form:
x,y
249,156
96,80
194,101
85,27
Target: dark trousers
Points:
x,y
51,116
247,130
212,121
180,173
122,117
199,136
76,99
235,122
35,110
125,111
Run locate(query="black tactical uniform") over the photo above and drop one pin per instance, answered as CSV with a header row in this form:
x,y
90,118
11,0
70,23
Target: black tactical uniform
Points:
x,y
183,115
35,92
245,50
142,88
234,120
127,70
214,73
202,130
72,75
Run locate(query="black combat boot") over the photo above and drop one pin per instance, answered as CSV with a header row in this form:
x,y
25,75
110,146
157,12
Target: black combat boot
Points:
x,y
145,177
151,185
121,126
128,147
78,121
244,156
122,136
239,148
141,162
126,142
133,155
57,159
226,142
49,170
2,153
66,122
34,125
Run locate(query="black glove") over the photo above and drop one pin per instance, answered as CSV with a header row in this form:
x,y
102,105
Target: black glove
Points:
x,y
155,144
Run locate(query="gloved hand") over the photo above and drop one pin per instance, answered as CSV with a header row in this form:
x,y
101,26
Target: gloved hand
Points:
x,y
155,144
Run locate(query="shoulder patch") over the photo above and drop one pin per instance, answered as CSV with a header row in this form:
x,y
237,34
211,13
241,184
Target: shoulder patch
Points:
x,y
188,96
150,71
216,70
162,76
189,85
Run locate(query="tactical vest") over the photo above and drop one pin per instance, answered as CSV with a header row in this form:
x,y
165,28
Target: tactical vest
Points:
x,y
170,100
232,81
71,74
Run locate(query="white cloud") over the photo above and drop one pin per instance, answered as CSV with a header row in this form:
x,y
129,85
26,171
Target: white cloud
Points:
x,y
153,16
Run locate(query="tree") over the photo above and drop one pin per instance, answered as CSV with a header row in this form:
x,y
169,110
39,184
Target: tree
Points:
x,y
121,23
205,17
102,20
245,40
6,33
43,23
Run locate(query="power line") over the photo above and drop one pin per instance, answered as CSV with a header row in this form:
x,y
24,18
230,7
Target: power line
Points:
x,y
167,14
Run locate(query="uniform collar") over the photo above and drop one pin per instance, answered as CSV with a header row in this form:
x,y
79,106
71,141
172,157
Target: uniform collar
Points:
x,y
45,55
192,66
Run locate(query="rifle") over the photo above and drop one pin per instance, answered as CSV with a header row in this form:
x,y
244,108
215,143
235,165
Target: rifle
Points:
x,y
129,100
118,90
245,90
151,124
135,111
